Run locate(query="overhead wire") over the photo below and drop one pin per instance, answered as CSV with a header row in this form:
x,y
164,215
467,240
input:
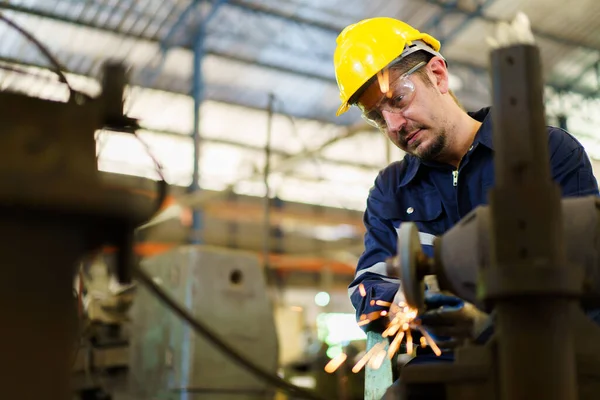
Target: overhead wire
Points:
x,y
58,68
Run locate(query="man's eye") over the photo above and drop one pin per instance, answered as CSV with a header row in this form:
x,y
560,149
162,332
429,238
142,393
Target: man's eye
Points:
x,y
398,100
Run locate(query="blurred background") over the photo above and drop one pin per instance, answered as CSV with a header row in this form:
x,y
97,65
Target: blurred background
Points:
x,y
237,101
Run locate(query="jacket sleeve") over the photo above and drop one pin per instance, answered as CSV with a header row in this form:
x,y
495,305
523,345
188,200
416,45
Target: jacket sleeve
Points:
x,y
570,165
380,244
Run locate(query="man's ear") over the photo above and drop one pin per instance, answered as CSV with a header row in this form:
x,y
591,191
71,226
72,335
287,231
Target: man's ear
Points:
x,y
439,74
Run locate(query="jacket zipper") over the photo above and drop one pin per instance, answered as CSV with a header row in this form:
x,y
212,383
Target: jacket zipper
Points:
x,y
455,178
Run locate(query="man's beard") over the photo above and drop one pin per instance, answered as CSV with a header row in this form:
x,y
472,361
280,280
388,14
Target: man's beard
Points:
x,y
434,148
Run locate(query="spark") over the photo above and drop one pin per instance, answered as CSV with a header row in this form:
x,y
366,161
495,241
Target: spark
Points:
x,y
335,363
400,327
361,289
391,330
383,78
364,359
376,361
395,345
409,342
429,340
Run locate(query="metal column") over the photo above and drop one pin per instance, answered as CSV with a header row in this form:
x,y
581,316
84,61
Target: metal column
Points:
x,y
529,281
198,96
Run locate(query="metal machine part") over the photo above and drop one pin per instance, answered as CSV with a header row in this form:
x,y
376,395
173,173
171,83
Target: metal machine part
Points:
x,y
533,262
463,254
224,289
411,265
54,210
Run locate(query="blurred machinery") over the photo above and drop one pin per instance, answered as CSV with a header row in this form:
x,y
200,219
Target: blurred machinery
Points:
x,y
56,209
529,258
58,219
226,290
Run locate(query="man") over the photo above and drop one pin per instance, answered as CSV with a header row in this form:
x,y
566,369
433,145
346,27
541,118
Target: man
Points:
x,y
396,76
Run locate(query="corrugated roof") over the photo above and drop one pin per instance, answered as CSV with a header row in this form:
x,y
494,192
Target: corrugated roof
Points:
x,y
257,48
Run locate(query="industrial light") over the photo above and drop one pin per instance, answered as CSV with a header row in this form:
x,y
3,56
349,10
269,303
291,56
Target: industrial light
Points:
x,y
322,299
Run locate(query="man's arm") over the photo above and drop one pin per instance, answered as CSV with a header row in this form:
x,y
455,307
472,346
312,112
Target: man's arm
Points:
x,y
380,244
570,165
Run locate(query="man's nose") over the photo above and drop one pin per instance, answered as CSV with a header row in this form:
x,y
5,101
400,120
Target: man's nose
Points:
x,y
395,122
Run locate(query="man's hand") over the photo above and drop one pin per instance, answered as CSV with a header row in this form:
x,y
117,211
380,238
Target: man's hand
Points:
x,y
450,319
398,304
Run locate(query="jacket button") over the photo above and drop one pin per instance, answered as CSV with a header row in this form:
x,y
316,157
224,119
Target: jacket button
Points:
x,y
410,210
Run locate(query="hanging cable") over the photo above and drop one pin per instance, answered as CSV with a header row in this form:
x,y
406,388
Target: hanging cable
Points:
x,y
58,68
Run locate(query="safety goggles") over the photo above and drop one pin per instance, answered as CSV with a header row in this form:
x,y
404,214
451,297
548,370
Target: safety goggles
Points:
x,y
396,97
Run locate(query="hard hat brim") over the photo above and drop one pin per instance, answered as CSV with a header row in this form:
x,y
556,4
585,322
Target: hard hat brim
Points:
x,y
342,109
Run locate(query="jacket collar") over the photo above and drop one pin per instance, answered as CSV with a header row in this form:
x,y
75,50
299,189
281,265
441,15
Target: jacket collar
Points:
x,y
483,136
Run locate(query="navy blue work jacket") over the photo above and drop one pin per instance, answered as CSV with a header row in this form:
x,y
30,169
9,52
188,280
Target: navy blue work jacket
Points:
x,y
436,196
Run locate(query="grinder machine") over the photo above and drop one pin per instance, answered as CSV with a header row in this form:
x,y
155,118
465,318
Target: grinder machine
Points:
x,y
529,257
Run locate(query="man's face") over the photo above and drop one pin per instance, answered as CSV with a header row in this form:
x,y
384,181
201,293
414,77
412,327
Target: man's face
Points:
x,y
410,114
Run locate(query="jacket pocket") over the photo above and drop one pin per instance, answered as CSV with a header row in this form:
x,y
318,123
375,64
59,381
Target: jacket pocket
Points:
x,y
414,206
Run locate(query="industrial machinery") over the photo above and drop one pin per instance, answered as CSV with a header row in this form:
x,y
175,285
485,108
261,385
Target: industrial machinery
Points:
x,y
226,290
55,210
58,211
529,258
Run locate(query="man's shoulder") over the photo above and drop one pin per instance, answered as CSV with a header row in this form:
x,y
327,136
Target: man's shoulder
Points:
x,y
560,141
396,172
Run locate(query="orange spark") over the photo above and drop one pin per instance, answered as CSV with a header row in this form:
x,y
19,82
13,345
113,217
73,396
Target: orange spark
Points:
x,y
383,78
361,289
409,343
395,345
376,361
430,341
364,359
335,363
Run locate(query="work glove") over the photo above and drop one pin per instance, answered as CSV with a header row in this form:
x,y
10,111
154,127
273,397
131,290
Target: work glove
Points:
x,y
398,304
451,320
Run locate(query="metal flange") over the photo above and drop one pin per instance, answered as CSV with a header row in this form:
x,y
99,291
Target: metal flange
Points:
x,y
411,265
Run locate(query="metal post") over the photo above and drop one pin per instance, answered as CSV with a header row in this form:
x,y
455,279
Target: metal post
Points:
x,y
266,175
197,94
529,281
562,121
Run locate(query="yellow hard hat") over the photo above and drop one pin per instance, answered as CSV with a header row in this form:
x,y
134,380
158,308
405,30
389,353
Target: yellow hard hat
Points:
x,y
366,47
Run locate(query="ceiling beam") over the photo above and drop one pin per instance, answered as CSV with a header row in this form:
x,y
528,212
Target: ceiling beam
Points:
x,y
155,40
479,13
